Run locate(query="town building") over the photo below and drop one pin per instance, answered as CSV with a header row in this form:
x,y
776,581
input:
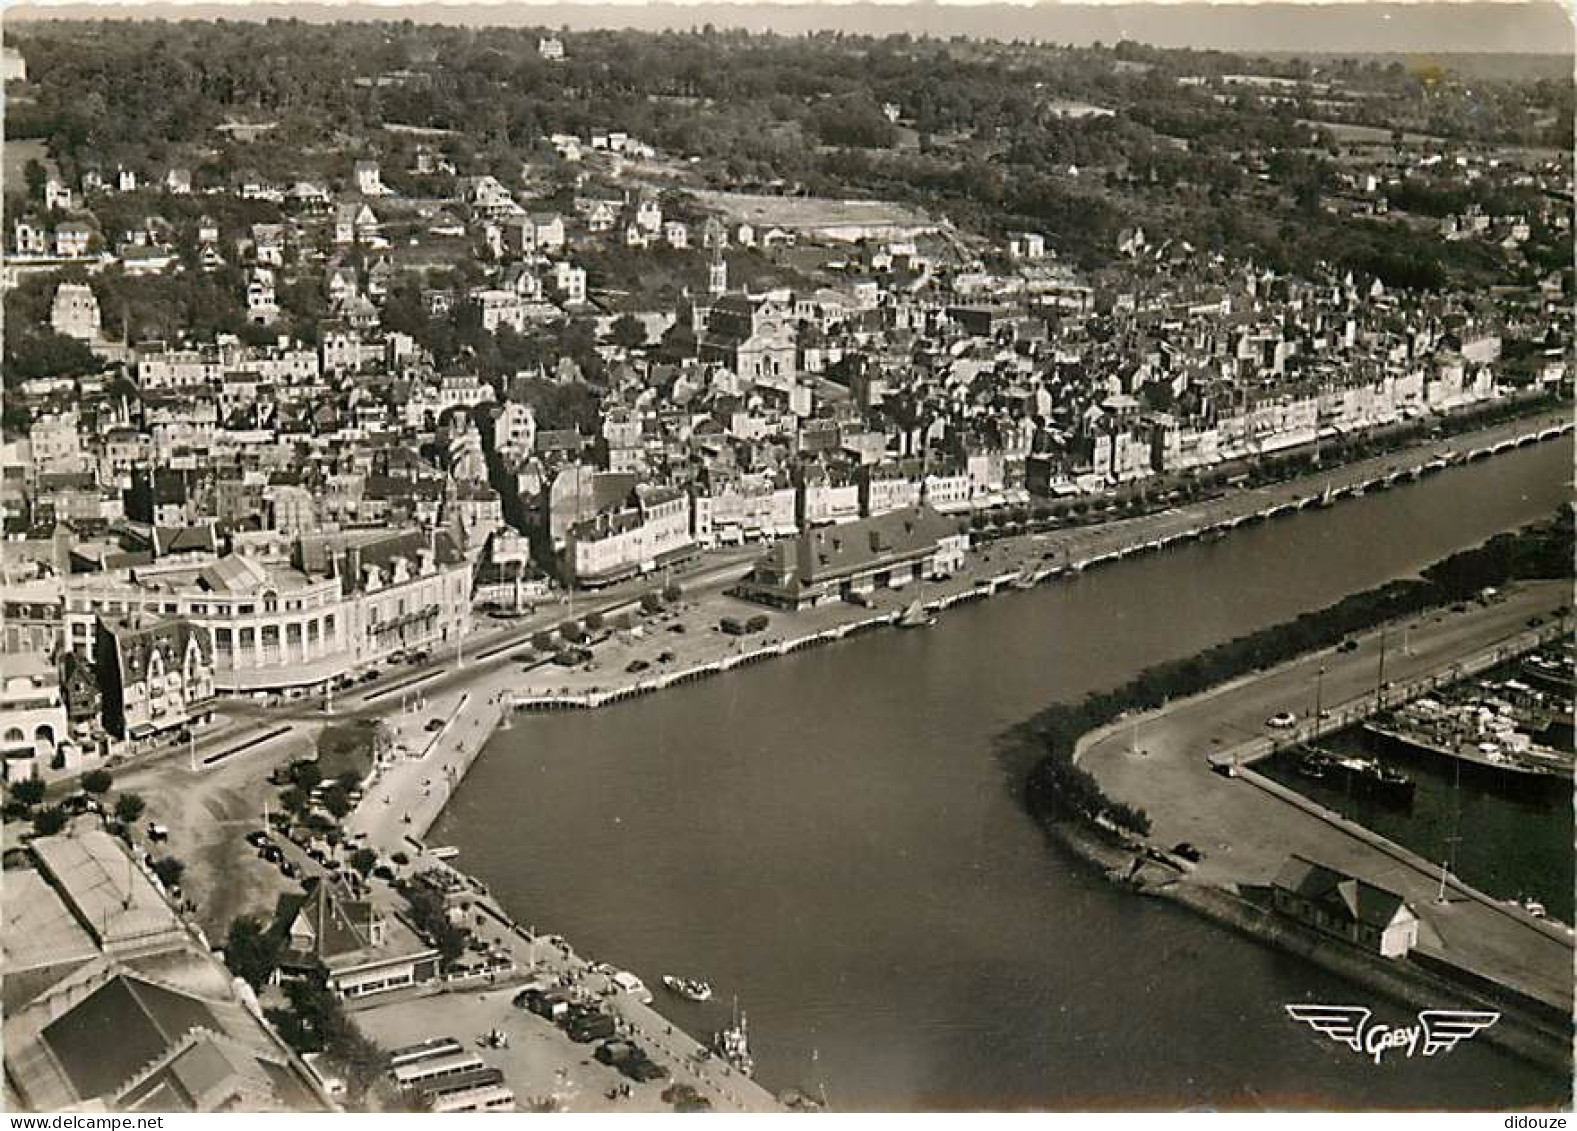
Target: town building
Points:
x,y
650,531
156,675
360,948
75,312
33,723
853,561
110,1004
343,602
1354,910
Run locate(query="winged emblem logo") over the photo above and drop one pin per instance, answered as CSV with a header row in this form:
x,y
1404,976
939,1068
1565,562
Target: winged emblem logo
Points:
x,y
1438,1030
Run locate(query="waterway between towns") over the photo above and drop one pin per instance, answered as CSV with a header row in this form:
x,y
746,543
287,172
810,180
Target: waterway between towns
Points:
x,y
832,838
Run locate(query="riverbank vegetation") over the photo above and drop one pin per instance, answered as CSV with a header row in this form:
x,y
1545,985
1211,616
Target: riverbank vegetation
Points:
x,y
1057,789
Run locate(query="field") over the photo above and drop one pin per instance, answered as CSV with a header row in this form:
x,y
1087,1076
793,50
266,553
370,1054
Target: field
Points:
x,y
814,215
17,155
1350,134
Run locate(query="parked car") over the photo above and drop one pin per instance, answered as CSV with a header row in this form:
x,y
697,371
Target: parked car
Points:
x,y
1282,720
614,1052
642,1068
157,832
1188,852
435,725
635,666
593,1028
666,658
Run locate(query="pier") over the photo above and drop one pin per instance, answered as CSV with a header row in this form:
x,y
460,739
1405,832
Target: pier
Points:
x,y
1191,768
1343,715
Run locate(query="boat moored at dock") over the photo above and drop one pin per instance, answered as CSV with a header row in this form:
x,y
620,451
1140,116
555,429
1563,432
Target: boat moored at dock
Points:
x,y
691,989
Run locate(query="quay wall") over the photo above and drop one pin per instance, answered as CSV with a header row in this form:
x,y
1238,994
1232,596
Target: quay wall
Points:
x,y
1527,1027
991,586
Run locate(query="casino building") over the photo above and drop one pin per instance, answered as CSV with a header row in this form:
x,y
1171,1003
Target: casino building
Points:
x,y
342,602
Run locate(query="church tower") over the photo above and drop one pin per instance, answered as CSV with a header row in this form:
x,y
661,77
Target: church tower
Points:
x,y
717,273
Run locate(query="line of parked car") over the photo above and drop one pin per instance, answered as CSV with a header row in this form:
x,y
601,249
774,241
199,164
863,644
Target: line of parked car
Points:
x,y
585,1022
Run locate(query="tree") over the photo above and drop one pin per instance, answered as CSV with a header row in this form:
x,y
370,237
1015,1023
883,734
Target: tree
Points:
x,y
672,592
431,916
128,808
28,792
48,822
37,177
169,869
98,781
43,353
306,775
364,860
595,620
251,953
337,801
628,332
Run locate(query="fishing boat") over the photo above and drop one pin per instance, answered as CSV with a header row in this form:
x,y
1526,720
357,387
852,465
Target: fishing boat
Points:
x,y
1327,498
1313,765
733,1043
916,616
1025,580
691,989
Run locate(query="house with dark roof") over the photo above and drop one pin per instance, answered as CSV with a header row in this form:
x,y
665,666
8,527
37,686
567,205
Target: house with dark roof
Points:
x,y
1335,903
110,1005
173,1049
360,948
853,560
156,673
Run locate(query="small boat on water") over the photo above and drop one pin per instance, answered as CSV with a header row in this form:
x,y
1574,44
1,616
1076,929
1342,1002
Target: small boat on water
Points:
x,y
1025,580
1313,766
1364,777
691,989
916,616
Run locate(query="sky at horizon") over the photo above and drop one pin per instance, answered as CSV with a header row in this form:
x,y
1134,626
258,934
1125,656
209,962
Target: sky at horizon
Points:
x,y
1329,26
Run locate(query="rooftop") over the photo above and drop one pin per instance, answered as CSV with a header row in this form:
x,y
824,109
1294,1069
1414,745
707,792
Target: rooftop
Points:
x,y
111,897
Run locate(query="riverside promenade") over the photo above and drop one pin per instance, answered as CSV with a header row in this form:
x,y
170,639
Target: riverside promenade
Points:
x,y
1169,762
544,1067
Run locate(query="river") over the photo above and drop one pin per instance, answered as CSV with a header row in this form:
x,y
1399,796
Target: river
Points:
x,y
832,838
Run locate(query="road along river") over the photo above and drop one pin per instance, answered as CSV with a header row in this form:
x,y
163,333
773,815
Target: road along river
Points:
x,y
831,838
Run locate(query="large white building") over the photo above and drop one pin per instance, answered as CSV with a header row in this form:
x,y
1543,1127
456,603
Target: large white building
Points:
x,y
345,601
651,532
75,312
32,714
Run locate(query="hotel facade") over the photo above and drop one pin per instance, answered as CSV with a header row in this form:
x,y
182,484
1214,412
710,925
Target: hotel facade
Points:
x,y
343,602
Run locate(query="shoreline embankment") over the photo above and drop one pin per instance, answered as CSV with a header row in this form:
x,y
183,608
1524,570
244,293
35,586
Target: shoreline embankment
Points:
x,y
493,703
1527,1027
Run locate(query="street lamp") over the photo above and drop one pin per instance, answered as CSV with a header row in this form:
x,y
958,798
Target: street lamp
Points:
x,y
1319,689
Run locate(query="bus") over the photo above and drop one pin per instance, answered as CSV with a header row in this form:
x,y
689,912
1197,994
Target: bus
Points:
x,y
425,1073
489,1097
484,1077
426,1050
